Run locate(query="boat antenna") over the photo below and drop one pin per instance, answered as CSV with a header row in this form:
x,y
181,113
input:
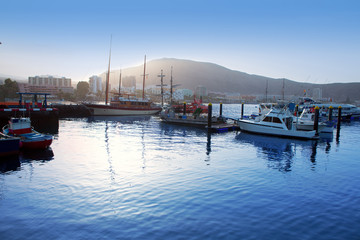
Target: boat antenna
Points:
x,y
108,75
120,83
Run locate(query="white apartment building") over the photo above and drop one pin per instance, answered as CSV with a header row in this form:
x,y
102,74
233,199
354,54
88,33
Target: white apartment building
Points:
x,y
95,84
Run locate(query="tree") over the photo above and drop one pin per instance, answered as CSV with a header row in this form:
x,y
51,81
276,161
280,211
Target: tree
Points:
x,y
9,89
82,89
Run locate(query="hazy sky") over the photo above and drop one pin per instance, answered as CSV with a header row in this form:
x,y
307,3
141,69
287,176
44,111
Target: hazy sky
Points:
x,y
302,40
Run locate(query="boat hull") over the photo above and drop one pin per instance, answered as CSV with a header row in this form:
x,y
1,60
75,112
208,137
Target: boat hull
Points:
x,y
33,144
254,127
106,110
9,146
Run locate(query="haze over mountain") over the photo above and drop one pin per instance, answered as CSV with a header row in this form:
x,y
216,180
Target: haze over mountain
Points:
x,y
215,78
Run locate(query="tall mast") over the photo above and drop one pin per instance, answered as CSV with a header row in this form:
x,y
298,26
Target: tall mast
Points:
x,y
266,90
119,82
108,76
283,89
171,86
143,94
161,76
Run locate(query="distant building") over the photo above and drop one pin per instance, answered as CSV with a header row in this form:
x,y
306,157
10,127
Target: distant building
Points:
x,y
48,84
95,84
200,91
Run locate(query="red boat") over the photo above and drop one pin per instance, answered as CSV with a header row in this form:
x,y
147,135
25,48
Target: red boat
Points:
x,y
29,138
191,107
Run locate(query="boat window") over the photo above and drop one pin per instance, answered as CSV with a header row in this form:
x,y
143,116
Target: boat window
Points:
x,y
276,120
267,119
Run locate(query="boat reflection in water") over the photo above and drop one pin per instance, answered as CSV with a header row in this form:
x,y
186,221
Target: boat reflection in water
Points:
x,y
13,163
121,119
280,152
39,155
9,163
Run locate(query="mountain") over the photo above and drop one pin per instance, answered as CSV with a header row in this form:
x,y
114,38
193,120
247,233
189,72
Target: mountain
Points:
x,y
216,78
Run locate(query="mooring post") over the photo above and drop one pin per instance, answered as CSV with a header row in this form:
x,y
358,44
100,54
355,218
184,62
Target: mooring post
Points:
x,y
330,113
338,123
209,116
242,110
220,109
184,111
316,120
296,110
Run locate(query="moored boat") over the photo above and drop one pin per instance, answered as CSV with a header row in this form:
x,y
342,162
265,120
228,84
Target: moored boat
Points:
x,y
195,119
124,106
9,145
305,122
277,122
29,138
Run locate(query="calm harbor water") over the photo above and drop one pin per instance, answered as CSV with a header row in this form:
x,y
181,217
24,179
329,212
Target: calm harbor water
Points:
x,y
139,178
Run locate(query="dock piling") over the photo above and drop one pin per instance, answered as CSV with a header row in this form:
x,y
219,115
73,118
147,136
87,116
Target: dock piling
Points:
x,y
330,113
242,110
338,123
220,109
184,111
316,120
209,115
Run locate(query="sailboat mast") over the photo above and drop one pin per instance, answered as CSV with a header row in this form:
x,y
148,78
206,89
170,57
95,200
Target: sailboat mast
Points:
x,y
143,93
119,82
171,86
108,76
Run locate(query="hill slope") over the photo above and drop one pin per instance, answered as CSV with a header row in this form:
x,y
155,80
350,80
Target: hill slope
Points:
x,y
215,78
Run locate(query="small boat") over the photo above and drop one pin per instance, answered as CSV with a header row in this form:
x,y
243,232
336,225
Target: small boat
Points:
x,y
9,145
277,122
305,122
29,138
196,119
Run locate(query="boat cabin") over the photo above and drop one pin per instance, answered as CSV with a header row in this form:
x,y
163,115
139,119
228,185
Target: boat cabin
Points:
x,y
19,125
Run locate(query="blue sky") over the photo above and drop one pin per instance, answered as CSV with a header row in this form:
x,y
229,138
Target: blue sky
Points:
x,y
306,41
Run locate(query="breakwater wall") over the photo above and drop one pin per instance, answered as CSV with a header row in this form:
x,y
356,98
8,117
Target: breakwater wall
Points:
x,y
72,111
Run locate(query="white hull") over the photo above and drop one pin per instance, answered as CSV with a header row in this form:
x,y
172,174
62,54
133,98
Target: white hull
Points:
x,y
310,127
105,110
256,127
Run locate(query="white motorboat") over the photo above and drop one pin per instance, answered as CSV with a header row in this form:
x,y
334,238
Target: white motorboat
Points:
x,y
277,122
305,122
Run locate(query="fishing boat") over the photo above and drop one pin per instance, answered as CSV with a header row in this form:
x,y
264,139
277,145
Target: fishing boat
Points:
x,y
121,104
277,122
29,138
9,145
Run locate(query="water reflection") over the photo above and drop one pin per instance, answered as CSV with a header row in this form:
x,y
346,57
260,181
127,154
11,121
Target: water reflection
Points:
x,y
279,152
13,163
37,155
121,119
9,163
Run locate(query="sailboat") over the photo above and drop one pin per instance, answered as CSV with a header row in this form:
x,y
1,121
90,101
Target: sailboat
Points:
x,y
124,104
